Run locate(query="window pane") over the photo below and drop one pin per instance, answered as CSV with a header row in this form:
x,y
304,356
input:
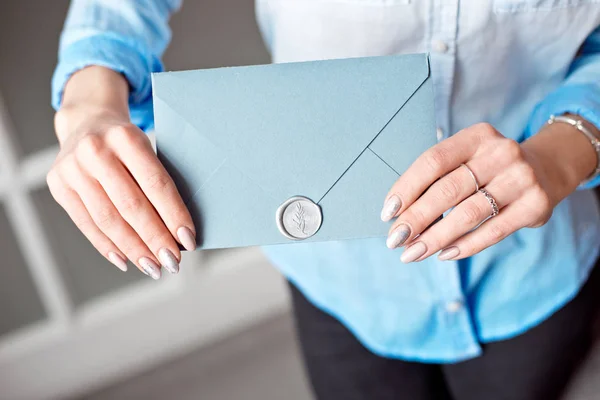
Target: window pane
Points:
x,y
87,273
20,303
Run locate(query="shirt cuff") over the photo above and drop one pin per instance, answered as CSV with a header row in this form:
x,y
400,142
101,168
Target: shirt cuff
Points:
x,y
582,100
110,51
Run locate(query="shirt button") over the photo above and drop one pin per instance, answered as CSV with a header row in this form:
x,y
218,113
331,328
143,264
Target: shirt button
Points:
x,y
439,46
440,134
454,306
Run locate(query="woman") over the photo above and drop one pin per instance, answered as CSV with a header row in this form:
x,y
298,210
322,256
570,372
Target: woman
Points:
x,y
504,310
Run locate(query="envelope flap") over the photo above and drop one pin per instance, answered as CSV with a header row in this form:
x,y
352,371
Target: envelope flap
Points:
x,y
295,128
188,170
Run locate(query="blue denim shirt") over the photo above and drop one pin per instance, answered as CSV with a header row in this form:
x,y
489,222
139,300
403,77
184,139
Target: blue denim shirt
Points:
x,y
512,63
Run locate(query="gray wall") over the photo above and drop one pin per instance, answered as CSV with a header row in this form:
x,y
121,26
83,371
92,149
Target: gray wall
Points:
x,y
19,302
207,33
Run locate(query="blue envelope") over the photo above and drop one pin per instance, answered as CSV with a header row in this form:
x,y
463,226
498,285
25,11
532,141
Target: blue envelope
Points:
x,y
285,152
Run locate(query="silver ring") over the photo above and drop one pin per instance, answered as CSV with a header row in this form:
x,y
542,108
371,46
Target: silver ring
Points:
x,y
491,200
472,176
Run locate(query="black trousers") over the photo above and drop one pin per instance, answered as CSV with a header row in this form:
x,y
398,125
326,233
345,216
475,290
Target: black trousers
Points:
x,y
535,365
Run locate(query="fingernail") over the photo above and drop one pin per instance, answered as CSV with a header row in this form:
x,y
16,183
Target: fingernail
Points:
x,y
398,237
449,253
186,238
413,252
390,208
168,260
118,261
150,268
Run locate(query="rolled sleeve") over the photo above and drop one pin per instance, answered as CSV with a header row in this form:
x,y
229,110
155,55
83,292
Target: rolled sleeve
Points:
x,y
127,36
579,94
110,51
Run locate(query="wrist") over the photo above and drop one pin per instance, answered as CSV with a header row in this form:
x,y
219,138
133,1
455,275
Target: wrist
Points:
x,y
92,94
565,155
97,85
588,130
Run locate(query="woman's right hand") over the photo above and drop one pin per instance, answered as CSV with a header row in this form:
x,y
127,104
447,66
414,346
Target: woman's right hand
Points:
x,y
111,183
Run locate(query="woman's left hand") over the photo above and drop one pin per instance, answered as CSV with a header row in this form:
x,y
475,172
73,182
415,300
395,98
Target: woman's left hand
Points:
x,y
526,181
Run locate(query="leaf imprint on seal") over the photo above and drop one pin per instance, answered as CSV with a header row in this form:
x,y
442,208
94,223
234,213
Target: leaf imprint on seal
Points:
x,y
300,219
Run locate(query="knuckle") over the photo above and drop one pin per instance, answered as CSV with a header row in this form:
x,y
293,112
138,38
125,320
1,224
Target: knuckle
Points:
x,y
130,248
159,181
180,214
497,232
527,175
468,247
157,238
542,202
434,243
472,213
539,223
545,201
123,134
106,218
486,130
436,159
82,223
61,119
90,146
131,204
53,179
511,149
449,189
415,218
57,188
66,166
542,220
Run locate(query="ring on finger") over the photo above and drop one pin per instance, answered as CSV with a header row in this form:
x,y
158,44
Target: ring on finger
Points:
x,y
491,200
472,176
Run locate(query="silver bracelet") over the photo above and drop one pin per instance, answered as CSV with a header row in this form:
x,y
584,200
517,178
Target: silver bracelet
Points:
x,y
595,142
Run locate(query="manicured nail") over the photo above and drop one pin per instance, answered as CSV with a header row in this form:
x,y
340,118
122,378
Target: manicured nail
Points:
x,y
149,267
118,261
390,208
186,238
449,253
398,236
413,252
168,260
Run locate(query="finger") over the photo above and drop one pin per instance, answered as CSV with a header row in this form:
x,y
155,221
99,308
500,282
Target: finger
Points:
x,y
440,197
134,207
451,189
465,217
434,163
111,223
72,204
488,234
139,158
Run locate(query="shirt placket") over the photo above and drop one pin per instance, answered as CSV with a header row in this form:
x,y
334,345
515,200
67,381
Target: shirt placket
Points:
x,y
443,31
452,306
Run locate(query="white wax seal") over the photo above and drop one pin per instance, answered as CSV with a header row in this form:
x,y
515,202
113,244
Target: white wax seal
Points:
x,y
298,218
